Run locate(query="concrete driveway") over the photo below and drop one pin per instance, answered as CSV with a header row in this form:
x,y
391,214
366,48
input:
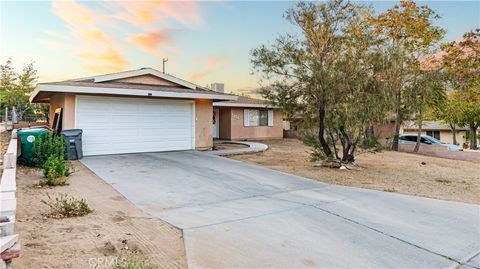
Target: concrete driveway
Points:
x,y
235,214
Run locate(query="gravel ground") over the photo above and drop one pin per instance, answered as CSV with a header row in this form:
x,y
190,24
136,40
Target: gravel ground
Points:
x,y
385,171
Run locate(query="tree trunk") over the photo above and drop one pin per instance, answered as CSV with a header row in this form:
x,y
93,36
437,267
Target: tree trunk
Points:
x,y
321,131
454,133
398,120
347,147
334,143
473,137
419,136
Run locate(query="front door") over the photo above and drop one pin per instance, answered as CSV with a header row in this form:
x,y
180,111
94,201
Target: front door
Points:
x,y
215,123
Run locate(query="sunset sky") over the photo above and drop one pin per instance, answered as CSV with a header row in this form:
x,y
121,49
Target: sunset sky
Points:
x,y
205,42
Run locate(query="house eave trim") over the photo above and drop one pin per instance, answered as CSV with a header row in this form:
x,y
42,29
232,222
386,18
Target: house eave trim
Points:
x,y
126,92
226,104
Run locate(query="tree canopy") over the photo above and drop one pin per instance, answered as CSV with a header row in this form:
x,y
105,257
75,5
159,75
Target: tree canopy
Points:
x,y
408,34
330,75
349,69
460,61
15,88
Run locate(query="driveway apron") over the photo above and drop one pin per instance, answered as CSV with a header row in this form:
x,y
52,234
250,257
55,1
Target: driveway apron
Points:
x,y
235,214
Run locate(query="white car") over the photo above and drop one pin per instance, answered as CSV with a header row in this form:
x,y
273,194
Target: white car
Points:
x,y
428,140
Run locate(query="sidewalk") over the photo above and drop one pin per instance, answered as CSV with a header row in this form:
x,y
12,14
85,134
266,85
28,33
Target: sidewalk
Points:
x,y
252,148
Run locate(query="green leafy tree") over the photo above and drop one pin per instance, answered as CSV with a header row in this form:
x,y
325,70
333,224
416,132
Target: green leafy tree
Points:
x,y
15,89
409,34
8,79
470,113
330,75
425,94
461,65
449,112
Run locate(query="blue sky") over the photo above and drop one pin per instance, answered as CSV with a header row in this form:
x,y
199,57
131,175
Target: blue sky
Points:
x,y
205,41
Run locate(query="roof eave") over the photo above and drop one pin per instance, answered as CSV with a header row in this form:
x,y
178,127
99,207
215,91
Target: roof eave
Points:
x,y
127,92
230,104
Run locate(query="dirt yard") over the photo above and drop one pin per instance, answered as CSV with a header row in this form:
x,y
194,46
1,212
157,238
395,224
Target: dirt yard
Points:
x,y
386,171
116,227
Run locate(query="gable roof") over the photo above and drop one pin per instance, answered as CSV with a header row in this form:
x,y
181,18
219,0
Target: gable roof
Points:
x,y
116,84
139,72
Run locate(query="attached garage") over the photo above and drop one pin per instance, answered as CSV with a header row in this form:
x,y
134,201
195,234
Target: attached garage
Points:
x,y
127,125
134,111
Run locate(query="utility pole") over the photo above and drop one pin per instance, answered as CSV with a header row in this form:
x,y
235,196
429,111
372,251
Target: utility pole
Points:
x,y
164,60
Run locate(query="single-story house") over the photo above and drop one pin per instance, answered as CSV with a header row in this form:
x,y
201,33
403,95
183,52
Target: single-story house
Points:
x,y
437,130
246,119
144,110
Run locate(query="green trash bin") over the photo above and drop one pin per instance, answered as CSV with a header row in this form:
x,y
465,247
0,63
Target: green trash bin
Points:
x,y
27,137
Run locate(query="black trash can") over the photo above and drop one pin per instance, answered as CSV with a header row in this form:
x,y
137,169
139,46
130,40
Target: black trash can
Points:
x,y
73,143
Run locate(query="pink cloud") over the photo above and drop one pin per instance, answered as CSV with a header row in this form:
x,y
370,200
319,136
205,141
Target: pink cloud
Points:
x,y
152,40
96,48
110,59
158,11
100,49
214,63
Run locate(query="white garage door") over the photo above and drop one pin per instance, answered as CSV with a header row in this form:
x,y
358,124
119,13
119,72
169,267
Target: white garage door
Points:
x,y
128,125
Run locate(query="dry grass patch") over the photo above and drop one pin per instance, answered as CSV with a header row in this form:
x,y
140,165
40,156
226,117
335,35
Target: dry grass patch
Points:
x,y
66,207
385,171
443,181
133,262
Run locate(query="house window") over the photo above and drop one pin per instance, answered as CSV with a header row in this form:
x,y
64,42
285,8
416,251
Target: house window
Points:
x,y
258,117
434,134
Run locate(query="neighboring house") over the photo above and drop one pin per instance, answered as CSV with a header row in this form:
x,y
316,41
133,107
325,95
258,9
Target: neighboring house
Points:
x,y
246,119
141,110
437,130
434,129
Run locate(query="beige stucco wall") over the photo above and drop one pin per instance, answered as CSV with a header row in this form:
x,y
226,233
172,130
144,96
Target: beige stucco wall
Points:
x,y
203,124
445,136
233,118
67,102
203,117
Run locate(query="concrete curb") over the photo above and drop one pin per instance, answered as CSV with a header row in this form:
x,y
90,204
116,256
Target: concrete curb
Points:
x,y
8,204
252,148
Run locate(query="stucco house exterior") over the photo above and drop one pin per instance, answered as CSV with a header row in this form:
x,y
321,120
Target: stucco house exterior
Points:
x,y
246,119
437,130
434,129
141,110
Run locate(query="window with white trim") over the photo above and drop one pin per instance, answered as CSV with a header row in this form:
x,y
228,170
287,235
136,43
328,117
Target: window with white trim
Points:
x,y
258,117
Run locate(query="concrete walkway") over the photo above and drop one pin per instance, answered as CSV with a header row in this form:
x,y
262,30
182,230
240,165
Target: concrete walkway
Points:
x,y
239,215
252,148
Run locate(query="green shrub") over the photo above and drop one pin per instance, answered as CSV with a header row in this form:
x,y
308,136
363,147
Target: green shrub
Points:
x,y
44,148
133,262
66,207
55,170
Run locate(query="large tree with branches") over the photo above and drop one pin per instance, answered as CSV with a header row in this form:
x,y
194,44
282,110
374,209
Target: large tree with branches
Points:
x,y
329,75
461,66
409,35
